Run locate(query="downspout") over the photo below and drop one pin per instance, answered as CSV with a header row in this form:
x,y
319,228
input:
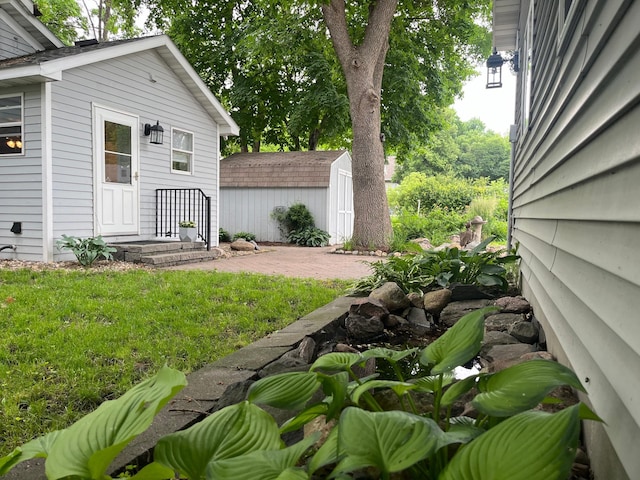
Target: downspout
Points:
x,y
513,134
47,172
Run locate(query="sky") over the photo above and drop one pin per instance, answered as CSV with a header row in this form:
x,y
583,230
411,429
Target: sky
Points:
x,y
494,106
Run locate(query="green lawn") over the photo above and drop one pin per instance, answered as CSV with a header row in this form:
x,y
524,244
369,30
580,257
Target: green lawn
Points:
x,y
72,339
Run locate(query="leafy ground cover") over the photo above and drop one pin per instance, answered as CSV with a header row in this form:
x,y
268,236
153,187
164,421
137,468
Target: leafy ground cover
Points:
x,y
72,339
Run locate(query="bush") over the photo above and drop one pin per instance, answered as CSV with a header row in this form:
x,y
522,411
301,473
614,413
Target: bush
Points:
x,y
223,235
86,250
249,237
310,237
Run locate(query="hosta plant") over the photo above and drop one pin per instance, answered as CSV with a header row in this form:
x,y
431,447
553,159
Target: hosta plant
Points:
x,y
507,439
86,250
432,269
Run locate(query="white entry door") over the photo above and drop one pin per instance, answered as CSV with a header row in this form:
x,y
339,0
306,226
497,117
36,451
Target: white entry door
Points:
x,y
116,161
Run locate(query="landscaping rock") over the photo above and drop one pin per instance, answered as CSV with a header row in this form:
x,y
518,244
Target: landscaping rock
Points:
x,y
416,299
417,318
369,307
392,296
241,245
502,322
361,328
424,243
393,321
525,332
456,310
504,356
435,301
498,338
513,304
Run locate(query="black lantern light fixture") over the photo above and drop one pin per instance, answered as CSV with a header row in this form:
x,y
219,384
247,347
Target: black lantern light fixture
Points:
x,y
494,67
154,132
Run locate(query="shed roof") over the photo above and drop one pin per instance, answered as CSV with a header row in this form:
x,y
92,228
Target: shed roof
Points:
x,y
278,169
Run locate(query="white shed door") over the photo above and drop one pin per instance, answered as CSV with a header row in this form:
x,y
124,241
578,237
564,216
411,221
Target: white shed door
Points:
x,y
345,206
116,158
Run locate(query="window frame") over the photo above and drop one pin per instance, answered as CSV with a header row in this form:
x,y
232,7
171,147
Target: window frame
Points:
x,y
189,152
16,124
567,22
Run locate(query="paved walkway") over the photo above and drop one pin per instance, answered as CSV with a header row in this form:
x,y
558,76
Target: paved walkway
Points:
x,y
292,261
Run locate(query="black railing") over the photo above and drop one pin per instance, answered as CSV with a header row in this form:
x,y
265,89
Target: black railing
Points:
x,y
174,205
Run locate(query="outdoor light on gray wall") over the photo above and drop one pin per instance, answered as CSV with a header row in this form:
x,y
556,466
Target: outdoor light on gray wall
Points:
x,y
154,132
494,67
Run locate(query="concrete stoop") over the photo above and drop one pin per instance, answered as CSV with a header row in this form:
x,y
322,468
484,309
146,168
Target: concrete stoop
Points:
x,y
206,387
163,254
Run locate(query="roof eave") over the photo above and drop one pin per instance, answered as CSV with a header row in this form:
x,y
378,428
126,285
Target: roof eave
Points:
x,y
506,18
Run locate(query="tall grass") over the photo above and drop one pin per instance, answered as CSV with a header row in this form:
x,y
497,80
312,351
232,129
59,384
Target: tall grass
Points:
x,y
72,339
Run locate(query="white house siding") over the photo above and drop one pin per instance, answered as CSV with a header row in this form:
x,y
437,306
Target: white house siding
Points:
x,y
141,85
21,184
577,213
249,209
12,44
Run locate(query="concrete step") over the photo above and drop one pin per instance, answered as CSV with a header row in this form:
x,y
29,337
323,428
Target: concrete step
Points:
x,y
135,252
178,258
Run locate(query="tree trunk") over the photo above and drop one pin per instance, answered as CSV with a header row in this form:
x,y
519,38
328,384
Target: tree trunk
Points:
x,y
363,66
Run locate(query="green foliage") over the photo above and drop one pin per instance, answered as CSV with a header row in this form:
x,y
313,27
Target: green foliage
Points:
x,y
71,339
63,18
223,235
86,250
298,217
437,225
242,440
249,237
426,270
310,237
187,224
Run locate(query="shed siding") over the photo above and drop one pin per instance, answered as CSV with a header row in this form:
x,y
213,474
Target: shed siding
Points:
x,y
575,200
21,185
141,85
11,44
249,209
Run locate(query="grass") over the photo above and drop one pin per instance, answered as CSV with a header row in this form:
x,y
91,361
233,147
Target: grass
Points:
x,y
72,339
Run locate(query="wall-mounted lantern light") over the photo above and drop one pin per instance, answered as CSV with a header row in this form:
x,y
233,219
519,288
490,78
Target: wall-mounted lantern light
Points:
x,y
16,228
494,67
154,132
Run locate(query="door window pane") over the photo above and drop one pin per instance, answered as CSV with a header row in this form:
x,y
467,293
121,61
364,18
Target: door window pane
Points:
x,y
117,153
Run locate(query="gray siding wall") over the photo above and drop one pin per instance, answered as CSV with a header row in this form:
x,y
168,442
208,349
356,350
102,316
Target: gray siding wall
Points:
x,y
11,44
577,213
21,185
126,85
249,209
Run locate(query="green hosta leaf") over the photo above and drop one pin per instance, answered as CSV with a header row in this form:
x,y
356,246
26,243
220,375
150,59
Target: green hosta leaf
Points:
x,y
493,270
521,387
36,448
463,429
390,441
490,280
304,417
154,471
264,464
87,447
457,390
399,388
287,390
335,387
233,431
337,361
434,383
457,345
529,446
388,354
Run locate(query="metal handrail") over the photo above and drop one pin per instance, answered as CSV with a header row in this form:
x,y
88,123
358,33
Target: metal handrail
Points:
x,y
174,205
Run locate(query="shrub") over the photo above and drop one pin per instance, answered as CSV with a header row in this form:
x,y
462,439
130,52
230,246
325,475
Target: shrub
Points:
x,y
249,237
310,237
223,235
86,250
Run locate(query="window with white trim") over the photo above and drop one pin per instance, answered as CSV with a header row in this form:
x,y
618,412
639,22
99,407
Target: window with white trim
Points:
x,y
181,151
11,125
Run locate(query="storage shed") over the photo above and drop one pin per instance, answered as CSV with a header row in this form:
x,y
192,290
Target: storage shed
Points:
x,y
253,184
